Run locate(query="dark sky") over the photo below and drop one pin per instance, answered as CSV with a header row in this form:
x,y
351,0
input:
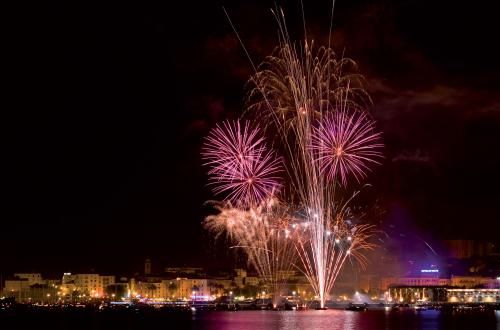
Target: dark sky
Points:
x,y
106,107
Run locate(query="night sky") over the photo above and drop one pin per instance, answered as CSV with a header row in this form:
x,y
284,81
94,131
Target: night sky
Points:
x,y
107,105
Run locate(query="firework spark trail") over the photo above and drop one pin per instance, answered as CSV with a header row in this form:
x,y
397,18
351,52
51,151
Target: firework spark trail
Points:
x,y
315,104
230,146
309,98
345,143
262,232
241,166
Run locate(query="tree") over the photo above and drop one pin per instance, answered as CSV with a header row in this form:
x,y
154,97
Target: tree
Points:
x,y
118,290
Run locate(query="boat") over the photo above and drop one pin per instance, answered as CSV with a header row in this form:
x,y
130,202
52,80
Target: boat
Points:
x,y
357,307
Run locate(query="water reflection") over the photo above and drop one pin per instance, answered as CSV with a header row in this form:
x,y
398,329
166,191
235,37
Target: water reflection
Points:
x,y
329,319
342,319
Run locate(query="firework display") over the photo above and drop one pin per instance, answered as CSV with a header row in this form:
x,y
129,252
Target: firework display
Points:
x,y
286,212
241,165
345,144
264,233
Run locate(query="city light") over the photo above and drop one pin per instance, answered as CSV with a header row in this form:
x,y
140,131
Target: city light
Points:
x,y
429,270
297,196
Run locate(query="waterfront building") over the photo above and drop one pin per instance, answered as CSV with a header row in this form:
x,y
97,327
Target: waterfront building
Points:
x,y
52,282
32,278
145,289
414,294
196,289
175,271
473,282
222,283
30,287
106,280
387,282
473,295
87,285
240,272
15,285
252,280
239,279
173,289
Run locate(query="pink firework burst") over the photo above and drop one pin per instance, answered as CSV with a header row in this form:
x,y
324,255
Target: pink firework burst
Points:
x,y
230,145
240,164
345,144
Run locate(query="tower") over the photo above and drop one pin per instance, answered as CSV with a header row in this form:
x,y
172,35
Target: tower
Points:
x,y
147,267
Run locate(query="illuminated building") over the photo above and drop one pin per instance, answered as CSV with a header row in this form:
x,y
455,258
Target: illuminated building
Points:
x,y
239,281
145,289
240,277
183,270
88,283
52,282
31,287
386,282
459,289
473,295
106,280
193,288
32,278
91,285
240,272
16,285
415,294
473,281
21,284
286,274
222,283
173,289
252,280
